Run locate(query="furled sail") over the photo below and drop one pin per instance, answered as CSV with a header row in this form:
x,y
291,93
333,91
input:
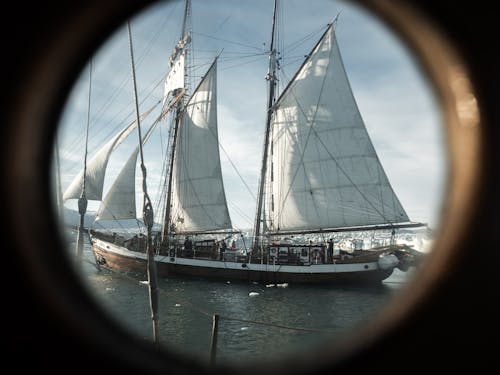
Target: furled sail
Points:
x,y
96,168
175,78
198,197
325,171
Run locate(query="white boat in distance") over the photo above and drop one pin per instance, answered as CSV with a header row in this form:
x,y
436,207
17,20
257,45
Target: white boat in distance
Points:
x,y
320,174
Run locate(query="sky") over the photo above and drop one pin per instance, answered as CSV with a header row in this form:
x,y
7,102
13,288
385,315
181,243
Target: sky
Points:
x,y
396,102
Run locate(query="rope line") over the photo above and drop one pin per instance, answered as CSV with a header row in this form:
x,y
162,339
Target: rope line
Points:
x,y
276,325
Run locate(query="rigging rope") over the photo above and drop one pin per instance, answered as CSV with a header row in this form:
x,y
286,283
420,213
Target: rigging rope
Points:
x,y
112,98
234,167
228,41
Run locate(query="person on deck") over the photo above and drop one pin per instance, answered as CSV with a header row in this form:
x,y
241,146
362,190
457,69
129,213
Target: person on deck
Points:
x,y
188,247
329,251
222,249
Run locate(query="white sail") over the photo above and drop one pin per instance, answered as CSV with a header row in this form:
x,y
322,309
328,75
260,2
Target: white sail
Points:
x,y
119,202
325,171
96,168
198,197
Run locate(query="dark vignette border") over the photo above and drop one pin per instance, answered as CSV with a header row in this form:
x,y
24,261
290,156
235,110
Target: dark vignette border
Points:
x,y
450,323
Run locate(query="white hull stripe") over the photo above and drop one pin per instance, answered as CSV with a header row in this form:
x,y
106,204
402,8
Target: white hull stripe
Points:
x,y
282,268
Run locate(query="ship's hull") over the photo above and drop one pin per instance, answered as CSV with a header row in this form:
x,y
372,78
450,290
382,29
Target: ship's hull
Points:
x,y
122,259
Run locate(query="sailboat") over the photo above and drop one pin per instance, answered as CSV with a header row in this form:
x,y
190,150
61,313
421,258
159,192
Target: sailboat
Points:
x,y
320,175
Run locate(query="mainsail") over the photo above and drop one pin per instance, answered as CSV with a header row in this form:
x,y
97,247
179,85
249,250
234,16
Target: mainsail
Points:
x,y
325,171
198,198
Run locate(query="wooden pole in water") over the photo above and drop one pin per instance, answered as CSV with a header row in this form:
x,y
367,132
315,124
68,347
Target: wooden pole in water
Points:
x,y
147,213
213,343
82,201
82,208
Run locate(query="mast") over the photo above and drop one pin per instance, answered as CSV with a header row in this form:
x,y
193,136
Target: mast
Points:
x,y
271,78
187,15
168,204
179,49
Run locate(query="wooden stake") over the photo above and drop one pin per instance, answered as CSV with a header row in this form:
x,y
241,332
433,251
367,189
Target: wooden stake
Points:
x,y
213,344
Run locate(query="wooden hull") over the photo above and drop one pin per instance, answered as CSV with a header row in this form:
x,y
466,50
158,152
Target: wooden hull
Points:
x,y
122,259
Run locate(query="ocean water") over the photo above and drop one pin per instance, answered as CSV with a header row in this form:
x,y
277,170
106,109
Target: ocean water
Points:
x,y
280,320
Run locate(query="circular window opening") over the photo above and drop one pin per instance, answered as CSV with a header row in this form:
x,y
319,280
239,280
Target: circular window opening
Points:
x,y
352,143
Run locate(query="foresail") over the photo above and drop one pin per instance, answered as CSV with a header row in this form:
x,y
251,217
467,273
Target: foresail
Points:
x,y
326,173
120,201
198,197
96,168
